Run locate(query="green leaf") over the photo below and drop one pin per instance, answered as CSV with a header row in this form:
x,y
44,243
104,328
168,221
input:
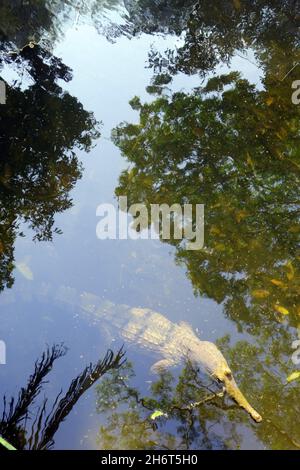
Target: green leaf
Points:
x,y
293,376
6,444
157,414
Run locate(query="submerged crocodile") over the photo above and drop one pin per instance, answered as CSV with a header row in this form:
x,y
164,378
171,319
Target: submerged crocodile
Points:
x,y
151,330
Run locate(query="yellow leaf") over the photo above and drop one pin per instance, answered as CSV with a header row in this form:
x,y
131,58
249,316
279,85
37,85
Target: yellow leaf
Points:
x,y
240,215
237,4
254,244
215,230
291,272
250,161
260,293
293,376
282,310
269,100
220,247
281,134
278,153
294,229
279,283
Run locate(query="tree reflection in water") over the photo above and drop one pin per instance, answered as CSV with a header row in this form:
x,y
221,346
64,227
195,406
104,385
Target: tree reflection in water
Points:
x,y
38,163
189,412
233,147
234,153
180,413
228,144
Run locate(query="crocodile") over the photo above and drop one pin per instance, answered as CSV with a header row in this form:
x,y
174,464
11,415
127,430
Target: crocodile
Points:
x,y
153,331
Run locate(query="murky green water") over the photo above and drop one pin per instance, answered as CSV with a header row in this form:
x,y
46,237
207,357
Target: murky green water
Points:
x,y
163,102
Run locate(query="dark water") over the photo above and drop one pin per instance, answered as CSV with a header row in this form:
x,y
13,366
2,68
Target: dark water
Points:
x,y
215,124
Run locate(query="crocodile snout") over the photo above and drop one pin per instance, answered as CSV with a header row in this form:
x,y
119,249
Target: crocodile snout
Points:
x,y
224,374
236,395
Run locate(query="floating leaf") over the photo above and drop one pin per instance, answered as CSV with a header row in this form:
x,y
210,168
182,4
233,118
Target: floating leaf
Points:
x,y
6,444
294,229
279,283
281,309
281,134
250,161
260,293
240,215
293,376
237,4
269,100
157,414
215,230
220,247
290,271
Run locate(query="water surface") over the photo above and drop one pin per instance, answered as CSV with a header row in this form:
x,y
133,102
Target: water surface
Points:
x,y
214,124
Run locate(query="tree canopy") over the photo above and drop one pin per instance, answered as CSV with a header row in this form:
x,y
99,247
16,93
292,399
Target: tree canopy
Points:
x,y
225,146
